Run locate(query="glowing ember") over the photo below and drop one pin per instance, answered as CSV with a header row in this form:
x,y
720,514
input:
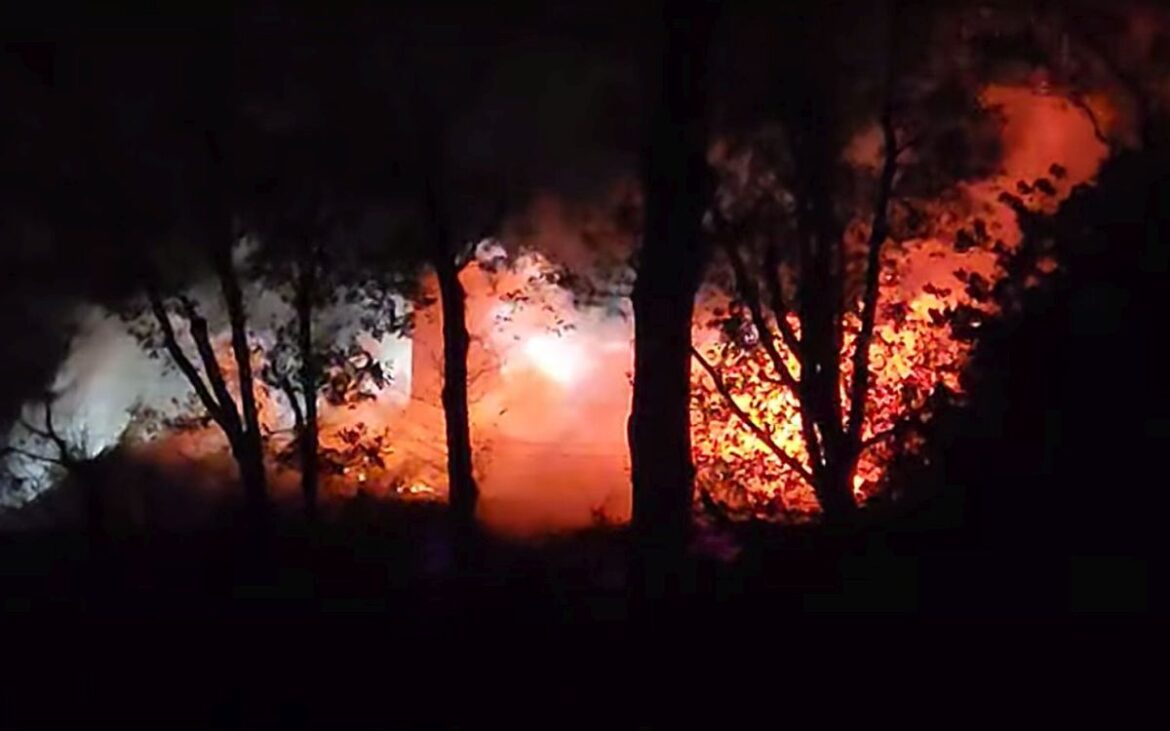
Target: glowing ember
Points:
x,y
417,488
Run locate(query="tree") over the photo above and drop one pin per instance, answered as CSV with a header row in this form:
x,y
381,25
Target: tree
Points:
x,y
37,449
674,250
455,205
805,250
148,201
326,267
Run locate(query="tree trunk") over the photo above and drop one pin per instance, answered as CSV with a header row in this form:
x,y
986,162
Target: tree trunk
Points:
x,y
677,186
250,445
464,493
821,293
215,398
309,432
834,490
218,93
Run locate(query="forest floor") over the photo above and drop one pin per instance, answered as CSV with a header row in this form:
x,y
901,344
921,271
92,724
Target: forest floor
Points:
x,y
375,613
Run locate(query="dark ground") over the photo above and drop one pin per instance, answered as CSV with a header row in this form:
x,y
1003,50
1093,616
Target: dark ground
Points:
x,y
369,623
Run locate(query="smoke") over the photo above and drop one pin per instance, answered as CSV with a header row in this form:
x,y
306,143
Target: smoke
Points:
x,y
556,126
112,389
551,371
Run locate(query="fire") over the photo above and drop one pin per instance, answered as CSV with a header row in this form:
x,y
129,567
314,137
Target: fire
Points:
x,y
549,380
913,356
933,297
557,357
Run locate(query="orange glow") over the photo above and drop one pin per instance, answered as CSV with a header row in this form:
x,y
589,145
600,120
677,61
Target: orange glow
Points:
x,y
914,351
550,382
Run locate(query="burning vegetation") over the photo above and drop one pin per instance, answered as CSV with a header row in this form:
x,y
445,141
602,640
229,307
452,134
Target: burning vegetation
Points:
x,y
934,291
842,286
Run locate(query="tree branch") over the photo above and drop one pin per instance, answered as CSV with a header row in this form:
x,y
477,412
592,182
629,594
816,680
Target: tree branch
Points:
x,y
787,459
909,144
201,336
33,455
751,295
238,321
188,369
776,300
57,439
1080,103
879,231
291,394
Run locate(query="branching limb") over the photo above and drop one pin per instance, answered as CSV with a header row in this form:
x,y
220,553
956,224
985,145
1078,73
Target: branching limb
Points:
x,y
1080,103
879,231
787,459
290,393
184,364
776,299
35,456
202,338
751,295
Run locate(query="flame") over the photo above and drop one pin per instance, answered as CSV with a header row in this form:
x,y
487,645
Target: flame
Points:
x,y
550,387
915,352
556,357
550,382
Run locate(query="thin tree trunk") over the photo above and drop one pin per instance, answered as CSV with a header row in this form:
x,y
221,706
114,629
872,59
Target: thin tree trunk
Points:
x,y
677,186
464,493
250,450
821,298
220,96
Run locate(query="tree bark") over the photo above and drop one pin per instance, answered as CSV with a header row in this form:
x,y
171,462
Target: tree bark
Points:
x,y
463,491
677,187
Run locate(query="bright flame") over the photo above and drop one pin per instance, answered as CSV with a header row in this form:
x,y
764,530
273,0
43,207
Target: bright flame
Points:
x,y
915,351
556,357
550,456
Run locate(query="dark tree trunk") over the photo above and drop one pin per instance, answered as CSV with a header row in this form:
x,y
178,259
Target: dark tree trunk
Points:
x,y
249,447
677,187
309,428
464,493
214,396
218,94
834,490
809,118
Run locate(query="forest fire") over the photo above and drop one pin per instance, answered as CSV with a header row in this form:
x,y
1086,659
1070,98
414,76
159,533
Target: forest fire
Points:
x,y
934,294
549,379
429,332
